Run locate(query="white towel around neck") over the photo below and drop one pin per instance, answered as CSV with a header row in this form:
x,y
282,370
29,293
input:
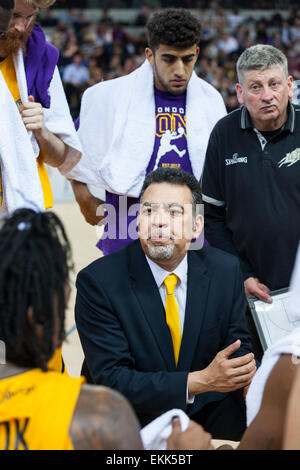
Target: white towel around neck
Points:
x,y
117,129
21,185
19,149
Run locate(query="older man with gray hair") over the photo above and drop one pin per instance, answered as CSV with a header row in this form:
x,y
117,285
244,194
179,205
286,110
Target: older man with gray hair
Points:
x,y
251,177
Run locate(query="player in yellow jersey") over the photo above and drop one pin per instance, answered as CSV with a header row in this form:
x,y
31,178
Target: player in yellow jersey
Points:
x,y
42,409
28,65
15,29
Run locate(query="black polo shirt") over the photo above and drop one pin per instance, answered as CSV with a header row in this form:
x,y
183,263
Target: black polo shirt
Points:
x,y
251,191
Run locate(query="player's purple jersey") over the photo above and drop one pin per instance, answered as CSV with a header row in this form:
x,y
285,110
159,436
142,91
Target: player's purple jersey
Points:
x,y
170,150
170,147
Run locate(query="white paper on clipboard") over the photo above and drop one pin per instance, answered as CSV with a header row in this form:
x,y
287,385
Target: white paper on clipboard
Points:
x,y
273,321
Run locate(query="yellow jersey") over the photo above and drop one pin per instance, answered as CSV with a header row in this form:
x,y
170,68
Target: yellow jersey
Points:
x,y
36,410
8,71
56,362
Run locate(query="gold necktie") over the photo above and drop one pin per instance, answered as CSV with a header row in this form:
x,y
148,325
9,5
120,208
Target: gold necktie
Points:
x,y
172,314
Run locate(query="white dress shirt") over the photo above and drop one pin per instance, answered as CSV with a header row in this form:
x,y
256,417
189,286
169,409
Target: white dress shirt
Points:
x,y
180,291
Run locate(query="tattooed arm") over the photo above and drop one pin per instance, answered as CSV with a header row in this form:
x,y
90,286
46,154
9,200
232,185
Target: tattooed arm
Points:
x,y
104,420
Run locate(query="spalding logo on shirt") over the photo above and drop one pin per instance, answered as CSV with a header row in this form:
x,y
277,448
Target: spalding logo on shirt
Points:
x,y
235,159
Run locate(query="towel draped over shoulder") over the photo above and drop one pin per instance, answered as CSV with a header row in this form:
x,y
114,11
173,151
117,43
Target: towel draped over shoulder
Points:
x,y
117,129
37,75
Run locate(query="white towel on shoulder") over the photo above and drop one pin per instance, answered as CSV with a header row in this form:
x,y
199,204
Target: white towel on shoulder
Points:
x,y
290,344
154,436
21,185
57,118
117,129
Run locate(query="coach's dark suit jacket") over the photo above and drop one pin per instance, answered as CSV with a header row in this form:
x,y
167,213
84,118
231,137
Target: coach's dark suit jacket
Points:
x,y
127,344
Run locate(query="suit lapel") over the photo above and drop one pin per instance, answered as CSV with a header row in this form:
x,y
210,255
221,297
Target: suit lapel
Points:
x,y
197,292
145,289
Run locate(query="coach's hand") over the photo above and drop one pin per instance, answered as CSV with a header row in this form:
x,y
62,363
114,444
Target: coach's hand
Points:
x,y
226,375
254,287
223,374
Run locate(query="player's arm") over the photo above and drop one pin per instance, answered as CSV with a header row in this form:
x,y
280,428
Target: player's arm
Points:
x,y
104,420
53,149
291,438
266,430
90,206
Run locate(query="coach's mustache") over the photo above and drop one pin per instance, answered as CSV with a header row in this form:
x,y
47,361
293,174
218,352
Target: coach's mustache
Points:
x,y
160,234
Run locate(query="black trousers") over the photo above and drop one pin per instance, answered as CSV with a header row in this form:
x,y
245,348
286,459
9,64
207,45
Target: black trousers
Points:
x,y
224,419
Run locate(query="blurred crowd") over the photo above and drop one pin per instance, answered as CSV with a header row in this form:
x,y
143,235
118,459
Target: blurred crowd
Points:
x,y
91,51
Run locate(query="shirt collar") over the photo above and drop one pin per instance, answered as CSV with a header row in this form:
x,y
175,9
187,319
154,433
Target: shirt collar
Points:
x,y
160,274
246,121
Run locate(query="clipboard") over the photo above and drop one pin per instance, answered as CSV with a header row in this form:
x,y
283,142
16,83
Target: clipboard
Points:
x,y
272,321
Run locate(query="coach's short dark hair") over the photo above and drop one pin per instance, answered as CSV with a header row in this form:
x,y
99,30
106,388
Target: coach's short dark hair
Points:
x,y
176,177
173,27
7,4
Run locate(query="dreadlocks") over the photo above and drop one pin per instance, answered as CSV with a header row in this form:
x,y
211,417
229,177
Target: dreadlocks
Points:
x,y
35,259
